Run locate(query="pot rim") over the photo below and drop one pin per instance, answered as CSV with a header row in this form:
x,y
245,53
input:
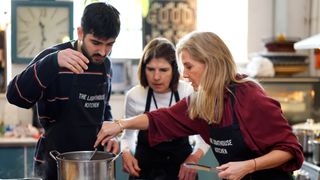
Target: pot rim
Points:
x,y
60,156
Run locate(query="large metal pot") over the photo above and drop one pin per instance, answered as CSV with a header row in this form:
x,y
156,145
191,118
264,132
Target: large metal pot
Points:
x,y
306,133
316,151
305,137
77,166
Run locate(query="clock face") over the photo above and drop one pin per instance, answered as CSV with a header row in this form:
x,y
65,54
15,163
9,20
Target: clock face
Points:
x,y
39,28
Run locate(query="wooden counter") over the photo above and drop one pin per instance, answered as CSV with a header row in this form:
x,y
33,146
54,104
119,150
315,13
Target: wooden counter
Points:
x,y
18,142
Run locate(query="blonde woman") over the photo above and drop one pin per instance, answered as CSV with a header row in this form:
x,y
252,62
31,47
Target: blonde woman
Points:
x,y
246,129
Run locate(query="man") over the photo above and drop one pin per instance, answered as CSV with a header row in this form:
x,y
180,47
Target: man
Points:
x,y
71,85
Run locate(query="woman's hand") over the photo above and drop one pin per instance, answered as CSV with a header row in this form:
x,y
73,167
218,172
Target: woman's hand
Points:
x,y
130,163
186,173
108,131
236,170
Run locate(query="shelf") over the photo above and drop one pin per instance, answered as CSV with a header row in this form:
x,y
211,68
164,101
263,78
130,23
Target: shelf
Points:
x,y
285,54
289,79
17,142
312,42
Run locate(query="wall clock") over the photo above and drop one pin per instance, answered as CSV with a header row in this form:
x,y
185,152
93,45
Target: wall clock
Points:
x,y
37,25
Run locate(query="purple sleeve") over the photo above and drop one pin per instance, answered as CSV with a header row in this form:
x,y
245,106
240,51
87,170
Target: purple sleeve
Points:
x,y
173,122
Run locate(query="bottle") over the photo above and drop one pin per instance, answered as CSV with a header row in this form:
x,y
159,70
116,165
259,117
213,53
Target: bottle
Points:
x,y
308,136
1,128
317,58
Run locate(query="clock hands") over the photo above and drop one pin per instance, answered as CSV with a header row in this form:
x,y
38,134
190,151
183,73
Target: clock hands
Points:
x,y
42,34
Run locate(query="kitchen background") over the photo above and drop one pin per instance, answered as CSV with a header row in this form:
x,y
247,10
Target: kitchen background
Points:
x,y
260,34
242,25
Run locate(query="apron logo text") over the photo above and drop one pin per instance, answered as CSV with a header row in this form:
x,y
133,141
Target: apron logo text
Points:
x,y
95,98
220,150
221,143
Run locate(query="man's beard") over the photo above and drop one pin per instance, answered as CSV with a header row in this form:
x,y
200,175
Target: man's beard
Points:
x,y
90,58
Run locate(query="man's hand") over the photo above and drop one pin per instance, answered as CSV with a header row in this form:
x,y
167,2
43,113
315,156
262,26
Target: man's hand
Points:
x,y
130,163
73,60
113,146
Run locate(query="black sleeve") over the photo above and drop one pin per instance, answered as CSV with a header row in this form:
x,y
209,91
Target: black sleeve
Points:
x,y
107,111
27,87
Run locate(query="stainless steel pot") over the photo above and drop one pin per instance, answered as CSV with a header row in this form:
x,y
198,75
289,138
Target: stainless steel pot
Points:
x,y
77,166
306,133
316,151
305,137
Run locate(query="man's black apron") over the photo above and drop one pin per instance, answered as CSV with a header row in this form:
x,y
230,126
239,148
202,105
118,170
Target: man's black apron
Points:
x,y
161,162
228,145
78,123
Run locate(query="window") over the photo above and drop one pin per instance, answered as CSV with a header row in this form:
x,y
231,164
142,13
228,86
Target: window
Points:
x,y
229,20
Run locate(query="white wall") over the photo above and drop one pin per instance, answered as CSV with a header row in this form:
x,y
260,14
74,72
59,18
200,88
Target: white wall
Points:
x,y
260,18
293,17
270,17
12,115
228,19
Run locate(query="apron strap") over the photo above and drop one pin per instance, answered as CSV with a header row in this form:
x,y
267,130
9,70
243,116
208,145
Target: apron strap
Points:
x,y
148,101
176,96
233,101
150,94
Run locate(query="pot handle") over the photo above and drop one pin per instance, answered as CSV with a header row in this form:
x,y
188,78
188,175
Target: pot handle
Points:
x,y
54,154
115,157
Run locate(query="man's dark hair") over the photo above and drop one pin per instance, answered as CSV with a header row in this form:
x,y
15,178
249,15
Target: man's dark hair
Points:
x,y
101,20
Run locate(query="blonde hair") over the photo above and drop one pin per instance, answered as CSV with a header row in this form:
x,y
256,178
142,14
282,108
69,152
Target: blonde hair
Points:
x,y
220,69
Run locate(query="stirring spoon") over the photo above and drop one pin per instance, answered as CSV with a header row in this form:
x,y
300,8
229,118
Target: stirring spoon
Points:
x,y
94,152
